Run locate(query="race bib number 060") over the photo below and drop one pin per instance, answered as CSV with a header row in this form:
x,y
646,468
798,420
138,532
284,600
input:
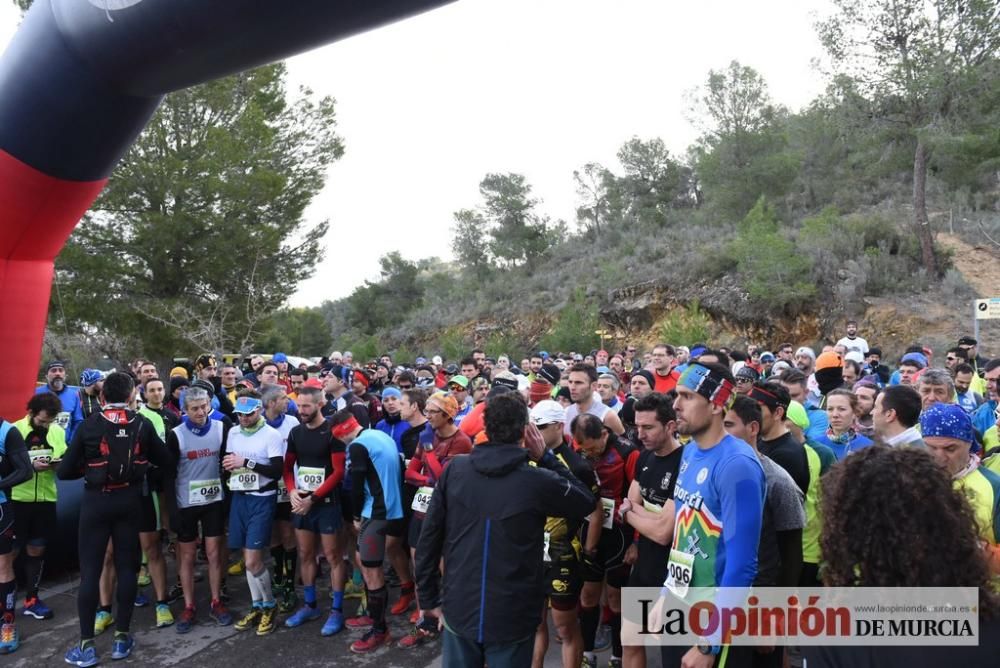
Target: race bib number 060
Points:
x,y
244,480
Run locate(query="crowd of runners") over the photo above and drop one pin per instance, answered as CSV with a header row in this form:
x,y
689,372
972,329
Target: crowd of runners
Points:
x,y
481,498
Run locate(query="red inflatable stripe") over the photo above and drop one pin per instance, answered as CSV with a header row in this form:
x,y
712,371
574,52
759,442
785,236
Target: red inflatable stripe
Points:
x,y
37,215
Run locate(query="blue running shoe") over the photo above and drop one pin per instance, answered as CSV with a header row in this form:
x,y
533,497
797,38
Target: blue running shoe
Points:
x,y
334,623
141,600
9,638
34,607
82,656
302,615
122,646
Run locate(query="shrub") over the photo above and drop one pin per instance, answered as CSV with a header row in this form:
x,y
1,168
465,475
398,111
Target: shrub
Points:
x,y
685,326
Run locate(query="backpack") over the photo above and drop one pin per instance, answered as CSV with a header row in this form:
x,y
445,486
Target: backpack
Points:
x,y
120,458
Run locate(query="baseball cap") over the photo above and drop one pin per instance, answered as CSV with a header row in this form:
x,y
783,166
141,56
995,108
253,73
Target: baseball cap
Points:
x,y
547,412
247,405
767,356
451,369
748,373
279,357
917,359
437,361
314,383
459,380
967,341
550,373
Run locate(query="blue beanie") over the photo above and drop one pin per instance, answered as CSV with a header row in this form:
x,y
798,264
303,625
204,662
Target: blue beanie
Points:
x,y
948,420
392,392
916,358
90,376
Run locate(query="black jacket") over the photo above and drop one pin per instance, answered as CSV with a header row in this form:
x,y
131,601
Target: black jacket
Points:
x,y
487,519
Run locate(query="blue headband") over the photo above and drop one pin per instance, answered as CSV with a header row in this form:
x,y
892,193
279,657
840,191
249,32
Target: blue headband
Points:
x,y
948,420
709,384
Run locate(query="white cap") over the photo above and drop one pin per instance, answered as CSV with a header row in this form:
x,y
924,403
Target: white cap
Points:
x,y
437,360
548,411
855,355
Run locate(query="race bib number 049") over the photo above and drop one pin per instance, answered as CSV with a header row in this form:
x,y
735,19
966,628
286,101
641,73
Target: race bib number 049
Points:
x,y
202,492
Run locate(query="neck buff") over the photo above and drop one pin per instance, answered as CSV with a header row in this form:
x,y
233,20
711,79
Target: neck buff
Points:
x,y
195,429
250,431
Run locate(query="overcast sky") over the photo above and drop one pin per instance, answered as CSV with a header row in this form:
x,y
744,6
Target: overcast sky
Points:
x,y
428,106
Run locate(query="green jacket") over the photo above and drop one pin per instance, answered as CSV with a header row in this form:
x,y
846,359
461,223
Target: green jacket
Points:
x,y
42,486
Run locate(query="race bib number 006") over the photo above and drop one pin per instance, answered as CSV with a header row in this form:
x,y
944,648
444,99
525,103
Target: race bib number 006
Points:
x,y
680,569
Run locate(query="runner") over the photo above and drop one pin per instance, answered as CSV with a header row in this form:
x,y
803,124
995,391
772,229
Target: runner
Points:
x,y
935,386
197,446
586,400
663,368
605,537
719,502
562,580
895,417
112,451
608,386
375,467
393,423
965,396
867,391
283,542
314,468
423,471
34,501
15,468
649,507
71,414
254,460
775,439
91,382
796,383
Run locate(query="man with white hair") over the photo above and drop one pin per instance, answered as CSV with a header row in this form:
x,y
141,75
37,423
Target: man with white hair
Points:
x,y
336,357
607,386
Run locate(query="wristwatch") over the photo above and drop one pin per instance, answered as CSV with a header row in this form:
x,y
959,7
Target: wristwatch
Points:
x,y
622,509
709,650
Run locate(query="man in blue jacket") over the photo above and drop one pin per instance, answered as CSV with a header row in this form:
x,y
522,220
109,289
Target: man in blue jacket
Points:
x,y
69,396
487,519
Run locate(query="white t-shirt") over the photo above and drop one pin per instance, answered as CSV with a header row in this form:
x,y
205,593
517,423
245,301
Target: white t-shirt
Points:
x,y
260,446
597,409
857,343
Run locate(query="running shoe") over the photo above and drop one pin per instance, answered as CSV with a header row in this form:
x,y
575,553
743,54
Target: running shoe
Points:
x,y
360,622
303,615
268,621
144,579
334,624
141,600
84,657
418,635
175,594
289,599
35,607
415,616
602,640
353,590
185,620
250,620
614,662
122,646
9,638
236,569
589,662
371,641
220,614
102,622
404,602
164,617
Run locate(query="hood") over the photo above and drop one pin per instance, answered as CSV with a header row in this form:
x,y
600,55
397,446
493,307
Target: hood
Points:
x,y
497,460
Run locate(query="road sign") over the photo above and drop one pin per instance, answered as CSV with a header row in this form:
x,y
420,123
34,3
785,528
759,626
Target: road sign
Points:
x,y
988,309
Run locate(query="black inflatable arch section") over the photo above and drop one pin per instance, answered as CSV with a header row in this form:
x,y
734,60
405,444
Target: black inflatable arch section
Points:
x,y
80,80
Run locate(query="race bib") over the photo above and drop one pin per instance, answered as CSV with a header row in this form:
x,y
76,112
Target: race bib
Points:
x,y
652,507
545,547
310,478
608,505
62,419
422,499
244,480
202,492
680,570
41,453
283,492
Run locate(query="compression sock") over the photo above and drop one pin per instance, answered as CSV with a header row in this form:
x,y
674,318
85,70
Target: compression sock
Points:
x,y
33,574
338,601
255,593
590,619
616,634
377,599
291,560
406,588
278,554
8,592
263,581
309,594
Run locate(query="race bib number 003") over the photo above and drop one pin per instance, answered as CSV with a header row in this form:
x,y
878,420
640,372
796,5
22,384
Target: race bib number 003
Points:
x,y
680,569
244,480
422,499
608,506
310,478
202,492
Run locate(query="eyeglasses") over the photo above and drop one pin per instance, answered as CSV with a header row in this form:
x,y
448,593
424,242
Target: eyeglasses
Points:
x,y
743,381
432,411
405,387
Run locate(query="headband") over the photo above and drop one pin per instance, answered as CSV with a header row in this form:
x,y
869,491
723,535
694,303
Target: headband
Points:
x,y
247,405
766,397
709,384
343,429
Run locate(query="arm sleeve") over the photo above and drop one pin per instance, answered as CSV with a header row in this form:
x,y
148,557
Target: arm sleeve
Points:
x,y
71,466
337,464
289,470
17,460
413,475
173,449
742,480
156,450
272,468
434,465
359,473
430,547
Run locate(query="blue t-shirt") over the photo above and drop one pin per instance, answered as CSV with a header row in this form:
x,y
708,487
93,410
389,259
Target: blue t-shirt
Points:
x,y
394,430
719,497
72,411
385,458
818,422
841,450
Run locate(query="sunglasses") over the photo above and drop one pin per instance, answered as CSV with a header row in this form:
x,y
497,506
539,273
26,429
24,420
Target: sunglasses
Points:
x,y
405,387
456,388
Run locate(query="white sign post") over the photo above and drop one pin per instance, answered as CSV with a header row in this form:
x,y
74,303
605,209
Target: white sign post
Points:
x,y
984,309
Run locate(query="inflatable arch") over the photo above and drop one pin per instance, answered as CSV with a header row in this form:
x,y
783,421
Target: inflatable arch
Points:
x,y
80,80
